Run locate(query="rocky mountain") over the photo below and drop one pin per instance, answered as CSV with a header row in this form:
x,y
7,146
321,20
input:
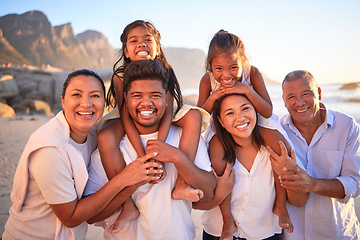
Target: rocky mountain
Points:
x,y
30,38
8,53
98,47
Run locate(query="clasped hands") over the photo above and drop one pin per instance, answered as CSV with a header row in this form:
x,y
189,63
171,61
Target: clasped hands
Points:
x,y
291,176
157,153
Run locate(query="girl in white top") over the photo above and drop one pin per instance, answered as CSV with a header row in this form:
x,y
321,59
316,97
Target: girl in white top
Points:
x,y
229,71
141,41
53,170
253,195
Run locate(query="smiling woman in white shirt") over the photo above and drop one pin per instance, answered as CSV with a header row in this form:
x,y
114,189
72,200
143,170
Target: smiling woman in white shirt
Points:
x,y
53,169
253,195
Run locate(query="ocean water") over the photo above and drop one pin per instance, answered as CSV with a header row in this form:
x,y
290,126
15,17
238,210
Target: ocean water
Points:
x,y
345,101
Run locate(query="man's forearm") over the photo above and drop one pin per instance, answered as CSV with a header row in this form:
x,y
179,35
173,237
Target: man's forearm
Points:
x,y
329,188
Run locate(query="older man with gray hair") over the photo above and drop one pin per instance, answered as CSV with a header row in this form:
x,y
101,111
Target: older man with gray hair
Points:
x,y
327,146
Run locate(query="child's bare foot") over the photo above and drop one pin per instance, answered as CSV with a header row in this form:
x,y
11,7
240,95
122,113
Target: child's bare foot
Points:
x,y
227,231
187,193
284,219
128,213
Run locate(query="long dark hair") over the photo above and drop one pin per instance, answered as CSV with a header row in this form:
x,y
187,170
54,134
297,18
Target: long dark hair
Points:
x,y
174,86
225,137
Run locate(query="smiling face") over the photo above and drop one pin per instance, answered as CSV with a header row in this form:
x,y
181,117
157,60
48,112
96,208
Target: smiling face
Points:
x,y
238,117
226,69
83,104
301,98
141,45
146,101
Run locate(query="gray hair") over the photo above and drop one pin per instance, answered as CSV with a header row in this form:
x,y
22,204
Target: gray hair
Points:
x,y
298,74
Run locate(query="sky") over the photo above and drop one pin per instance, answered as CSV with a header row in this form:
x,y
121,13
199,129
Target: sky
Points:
x,y
280,36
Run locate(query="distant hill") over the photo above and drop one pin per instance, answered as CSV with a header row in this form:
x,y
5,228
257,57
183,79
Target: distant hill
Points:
x,y
268,81
30,38
188,64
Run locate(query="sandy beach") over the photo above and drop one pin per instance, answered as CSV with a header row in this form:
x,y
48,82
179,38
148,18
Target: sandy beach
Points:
x,y
14,133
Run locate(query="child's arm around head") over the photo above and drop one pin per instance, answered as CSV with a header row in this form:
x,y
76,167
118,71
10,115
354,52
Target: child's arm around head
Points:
x,y
206,100
119,90
128,125
265,105
257,94
166,121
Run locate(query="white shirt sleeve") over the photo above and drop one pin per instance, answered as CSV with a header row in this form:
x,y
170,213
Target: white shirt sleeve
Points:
x,y
202,159
350,169
53,175
97,175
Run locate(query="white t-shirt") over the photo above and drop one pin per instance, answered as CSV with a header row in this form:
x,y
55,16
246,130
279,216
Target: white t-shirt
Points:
x,y
252,202
51,181
161,217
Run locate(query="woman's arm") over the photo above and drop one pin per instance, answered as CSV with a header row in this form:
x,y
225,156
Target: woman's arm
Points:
x,y
224,186
114,204
75,212
224,175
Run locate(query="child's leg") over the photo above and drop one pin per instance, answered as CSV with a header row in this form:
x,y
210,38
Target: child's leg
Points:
x,y
182,191
217,153
191,125
272,138
128,213
223,169
229,226
109,138
280,206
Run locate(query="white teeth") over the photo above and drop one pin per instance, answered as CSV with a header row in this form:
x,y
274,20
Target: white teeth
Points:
x,y
227,81
85,113
146,112
242,125
301,111
143,53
